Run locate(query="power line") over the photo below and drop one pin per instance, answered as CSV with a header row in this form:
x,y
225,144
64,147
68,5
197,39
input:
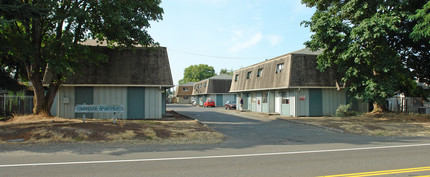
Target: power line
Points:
x,y
213,56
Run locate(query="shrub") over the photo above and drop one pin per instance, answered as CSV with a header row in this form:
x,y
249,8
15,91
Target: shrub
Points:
x,y
344,111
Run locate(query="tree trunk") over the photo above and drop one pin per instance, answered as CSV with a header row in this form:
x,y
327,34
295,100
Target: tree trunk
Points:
x,y
43,103
39,95
378,108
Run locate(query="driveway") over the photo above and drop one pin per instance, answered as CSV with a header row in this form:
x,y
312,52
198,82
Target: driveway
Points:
x,y
246,129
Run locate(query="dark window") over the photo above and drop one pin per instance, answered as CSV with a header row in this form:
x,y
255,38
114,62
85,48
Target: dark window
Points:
x,y
185,97
185,88
235,78
248,75
260,72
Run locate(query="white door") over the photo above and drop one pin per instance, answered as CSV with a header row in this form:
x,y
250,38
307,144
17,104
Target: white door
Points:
x,y
259,101
278,101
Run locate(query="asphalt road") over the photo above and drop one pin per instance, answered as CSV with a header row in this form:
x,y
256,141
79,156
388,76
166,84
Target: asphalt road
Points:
x,y
254,146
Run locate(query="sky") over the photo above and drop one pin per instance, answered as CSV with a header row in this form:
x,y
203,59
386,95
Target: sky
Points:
x,y
229,34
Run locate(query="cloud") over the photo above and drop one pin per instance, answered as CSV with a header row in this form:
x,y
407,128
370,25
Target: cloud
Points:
x,y
274,39
249,42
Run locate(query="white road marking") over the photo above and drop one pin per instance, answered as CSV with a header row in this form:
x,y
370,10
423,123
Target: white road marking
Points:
x,y
211,157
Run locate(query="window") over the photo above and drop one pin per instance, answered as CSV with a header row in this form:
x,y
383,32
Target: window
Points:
x,y
260,72
206,84
248,75
235,78
185,89
285,98
279,67
185,97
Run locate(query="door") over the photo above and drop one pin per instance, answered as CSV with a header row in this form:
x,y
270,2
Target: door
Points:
x,y
84,95
218,101
271,102
259,101
315,102
278,102
135,103
285,103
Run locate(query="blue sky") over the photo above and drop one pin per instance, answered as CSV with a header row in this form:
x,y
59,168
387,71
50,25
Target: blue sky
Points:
x,y
229,34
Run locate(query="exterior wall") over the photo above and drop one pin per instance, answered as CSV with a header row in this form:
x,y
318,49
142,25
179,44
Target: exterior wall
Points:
x,y
54,107
219,99
66,102
110,96
302,103
182,100
184,90
228,97
153,109
298,101
268,79
200,87
332,99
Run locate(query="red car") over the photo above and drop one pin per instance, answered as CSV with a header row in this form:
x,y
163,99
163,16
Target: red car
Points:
x,y
209,102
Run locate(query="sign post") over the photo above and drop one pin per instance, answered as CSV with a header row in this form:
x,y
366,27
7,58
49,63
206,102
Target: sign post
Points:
x,y
84,108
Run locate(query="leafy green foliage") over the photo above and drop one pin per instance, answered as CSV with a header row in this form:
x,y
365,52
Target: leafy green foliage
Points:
x,y
422,28
45,37
196,73
367,43
344,111
226,71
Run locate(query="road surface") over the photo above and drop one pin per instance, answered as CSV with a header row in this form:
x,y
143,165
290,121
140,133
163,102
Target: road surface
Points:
x,y
254,146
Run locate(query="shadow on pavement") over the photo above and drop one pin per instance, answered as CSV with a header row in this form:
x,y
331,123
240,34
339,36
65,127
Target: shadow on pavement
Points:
x,y
242,130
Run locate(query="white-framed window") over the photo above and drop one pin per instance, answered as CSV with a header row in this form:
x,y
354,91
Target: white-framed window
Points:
x,y
279,67
185,89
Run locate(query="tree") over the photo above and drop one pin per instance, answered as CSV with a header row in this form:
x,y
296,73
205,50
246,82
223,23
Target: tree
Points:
x,y
45,36
422,28
368,44
196,73
226,71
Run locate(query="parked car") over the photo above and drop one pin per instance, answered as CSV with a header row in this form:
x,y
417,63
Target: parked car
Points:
x,y
209,102
230,105
193,102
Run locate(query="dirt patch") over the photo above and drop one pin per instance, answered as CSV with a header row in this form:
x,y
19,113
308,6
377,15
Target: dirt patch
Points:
x,y
386,124
174,129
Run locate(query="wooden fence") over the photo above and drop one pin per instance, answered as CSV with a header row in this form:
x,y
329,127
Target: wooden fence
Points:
x,y
16,105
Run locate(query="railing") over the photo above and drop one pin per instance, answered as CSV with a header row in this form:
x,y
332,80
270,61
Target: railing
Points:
x,y
16,105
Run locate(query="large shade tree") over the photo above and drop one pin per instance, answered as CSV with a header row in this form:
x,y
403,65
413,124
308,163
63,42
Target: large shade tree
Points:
x,y
368,44
40,37
196,73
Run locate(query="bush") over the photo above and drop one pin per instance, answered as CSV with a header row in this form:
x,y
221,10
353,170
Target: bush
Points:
x,y
344,111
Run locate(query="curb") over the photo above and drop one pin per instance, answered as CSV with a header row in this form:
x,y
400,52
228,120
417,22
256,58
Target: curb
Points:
x,y
313,125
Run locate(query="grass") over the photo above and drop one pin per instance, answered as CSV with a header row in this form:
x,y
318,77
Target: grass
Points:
x,y
41,129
